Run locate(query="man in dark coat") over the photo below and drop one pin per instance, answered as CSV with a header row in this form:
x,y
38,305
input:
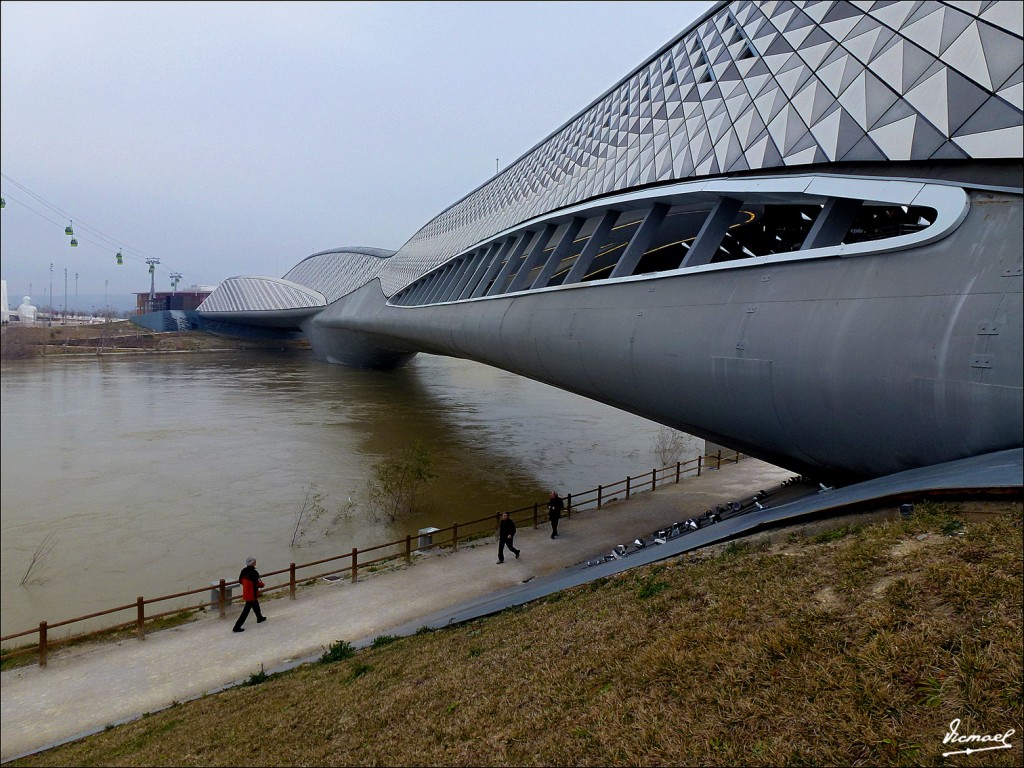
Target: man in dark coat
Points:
x,y
555,507
250,581
506,532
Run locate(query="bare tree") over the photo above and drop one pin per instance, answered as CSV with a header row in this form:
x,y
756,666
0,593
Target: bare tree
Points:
x,y
669,445
40,553
396,483
312,509
310,524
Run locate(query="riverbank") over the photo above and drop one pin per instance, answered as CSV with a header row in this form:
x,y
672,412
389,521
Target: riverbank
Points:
x,y
852,641
87,687
155,473
19,342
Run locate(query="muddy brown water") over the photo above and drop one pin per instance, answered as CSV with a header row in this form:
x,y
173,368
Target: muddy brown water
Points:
x,y
156,474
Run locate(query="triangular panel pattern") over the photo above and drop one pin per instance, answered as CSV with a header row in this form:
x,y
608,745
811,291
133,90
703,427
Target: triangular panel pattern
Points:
x,y
756,85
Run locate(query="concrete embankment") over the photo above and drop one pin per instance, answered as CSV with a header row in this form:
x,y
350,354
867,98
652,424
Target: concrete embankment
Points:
x,y
85,688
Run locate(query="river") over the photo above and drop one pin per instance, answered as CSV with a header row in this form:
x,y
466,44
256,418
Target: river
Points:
x,y
157,474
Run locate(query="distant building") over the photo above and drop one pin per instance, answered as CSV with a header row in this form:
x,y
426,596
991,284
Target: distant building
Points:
x,y
188,299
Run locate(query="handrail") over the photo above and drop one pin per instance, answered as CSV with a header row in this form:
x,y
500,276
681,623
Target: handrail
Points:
x,y
594,498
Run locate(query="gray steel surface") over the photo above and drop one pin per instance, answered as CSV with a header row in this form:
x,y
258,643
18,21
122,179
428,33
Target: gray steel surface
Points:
x,y
858,366
846,357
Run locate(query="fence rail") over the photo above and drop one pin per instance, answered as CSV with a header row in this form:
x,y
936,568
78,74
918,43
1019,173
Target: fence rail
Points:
x,y
593,499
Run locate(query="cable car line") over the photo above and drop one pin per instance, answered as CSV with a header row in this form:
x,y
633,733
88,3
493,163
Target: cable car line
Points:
x,y
110,243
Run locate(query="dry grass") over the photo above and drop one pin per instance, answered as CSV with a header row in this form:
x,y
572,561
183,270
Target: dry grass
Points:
x,y
19,342
724,660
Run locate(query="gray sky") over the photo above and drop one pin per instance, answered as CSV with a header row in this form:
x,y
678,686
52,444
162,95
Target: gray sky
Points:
x,y
238,138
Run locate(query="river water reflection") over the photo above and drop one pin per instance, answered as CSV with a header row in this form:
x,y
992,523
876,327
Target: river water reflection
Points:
x,y
161,474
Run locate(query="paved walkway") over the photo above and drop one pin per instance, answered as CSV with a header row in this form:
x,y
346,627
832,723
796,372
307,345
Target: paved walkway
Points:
x,y
85,688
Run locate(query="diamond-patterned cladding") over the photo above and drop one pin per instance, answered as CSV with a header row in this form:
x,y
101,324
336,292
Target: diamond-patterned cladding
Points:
x,y
758,85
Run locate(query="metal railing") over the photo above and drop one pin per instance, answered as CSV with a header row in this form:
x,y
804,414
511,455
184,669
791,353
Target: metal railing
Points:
x,y
352,562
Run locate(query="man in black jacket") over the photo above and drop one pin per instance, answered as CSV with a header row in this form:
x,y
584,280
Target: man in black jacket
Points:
x,y
506,532
555,507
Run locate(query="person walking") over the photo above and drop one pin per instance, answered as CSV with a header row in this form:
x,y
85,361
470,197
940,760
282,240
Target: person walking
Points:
x,y
251,583
555,507
506,532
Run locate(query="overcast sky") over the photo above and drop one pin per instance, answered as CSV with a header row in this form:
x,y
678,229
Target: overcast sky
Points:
x,y
238,138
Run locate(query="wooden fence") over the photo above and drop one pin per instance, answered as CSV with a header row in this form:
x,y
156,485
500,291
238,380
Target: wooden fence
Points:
x,y
350,563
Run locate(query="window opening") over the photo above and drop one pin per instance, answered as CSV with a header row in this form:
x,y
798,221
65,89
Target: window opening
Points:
x,y
877,222
763,230
759,229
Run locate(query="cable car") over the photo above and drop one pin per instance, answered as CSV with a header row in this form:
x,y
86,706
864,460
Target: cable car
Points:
x,y
3,203
74,243
120,258
68,230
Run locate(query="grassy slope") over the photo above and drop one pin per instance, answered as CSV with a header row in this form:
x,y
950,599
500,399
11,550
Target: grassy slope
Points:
x,y
19,342
857,646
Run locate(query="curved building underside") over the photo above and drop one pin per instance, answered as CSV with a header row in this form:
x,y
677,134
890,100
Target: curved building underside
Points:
x,y
795,231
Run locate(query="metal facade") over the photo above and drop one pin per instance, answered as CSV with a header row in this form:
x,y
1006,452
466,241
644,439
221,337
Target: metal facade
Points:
x,y
756,86
794,231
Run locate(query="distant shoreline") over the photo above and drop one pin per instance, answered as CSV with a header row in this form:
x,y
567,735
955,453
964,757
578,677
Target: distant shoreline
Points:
x,y
119,337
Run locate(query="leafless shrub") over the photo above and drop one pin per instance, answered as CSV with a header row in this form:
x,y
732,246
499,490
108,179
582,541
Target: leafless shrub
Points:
x,y
15,345
396,483
311,511
40,553
310,523
669,445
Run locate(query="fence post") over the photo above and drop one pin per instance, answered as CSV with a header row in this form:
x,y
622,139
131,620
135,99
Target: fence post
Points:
x,y
222,600
42,643
141,610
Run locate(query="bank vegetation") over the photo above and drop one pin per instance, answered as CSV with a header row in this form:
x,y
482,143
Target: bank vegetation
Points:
x,y
20,342
856,646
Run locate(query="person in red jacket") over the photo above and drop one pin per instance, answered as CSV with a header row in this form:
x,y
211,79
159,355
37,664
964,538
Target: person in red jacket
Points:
x,y
251,582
